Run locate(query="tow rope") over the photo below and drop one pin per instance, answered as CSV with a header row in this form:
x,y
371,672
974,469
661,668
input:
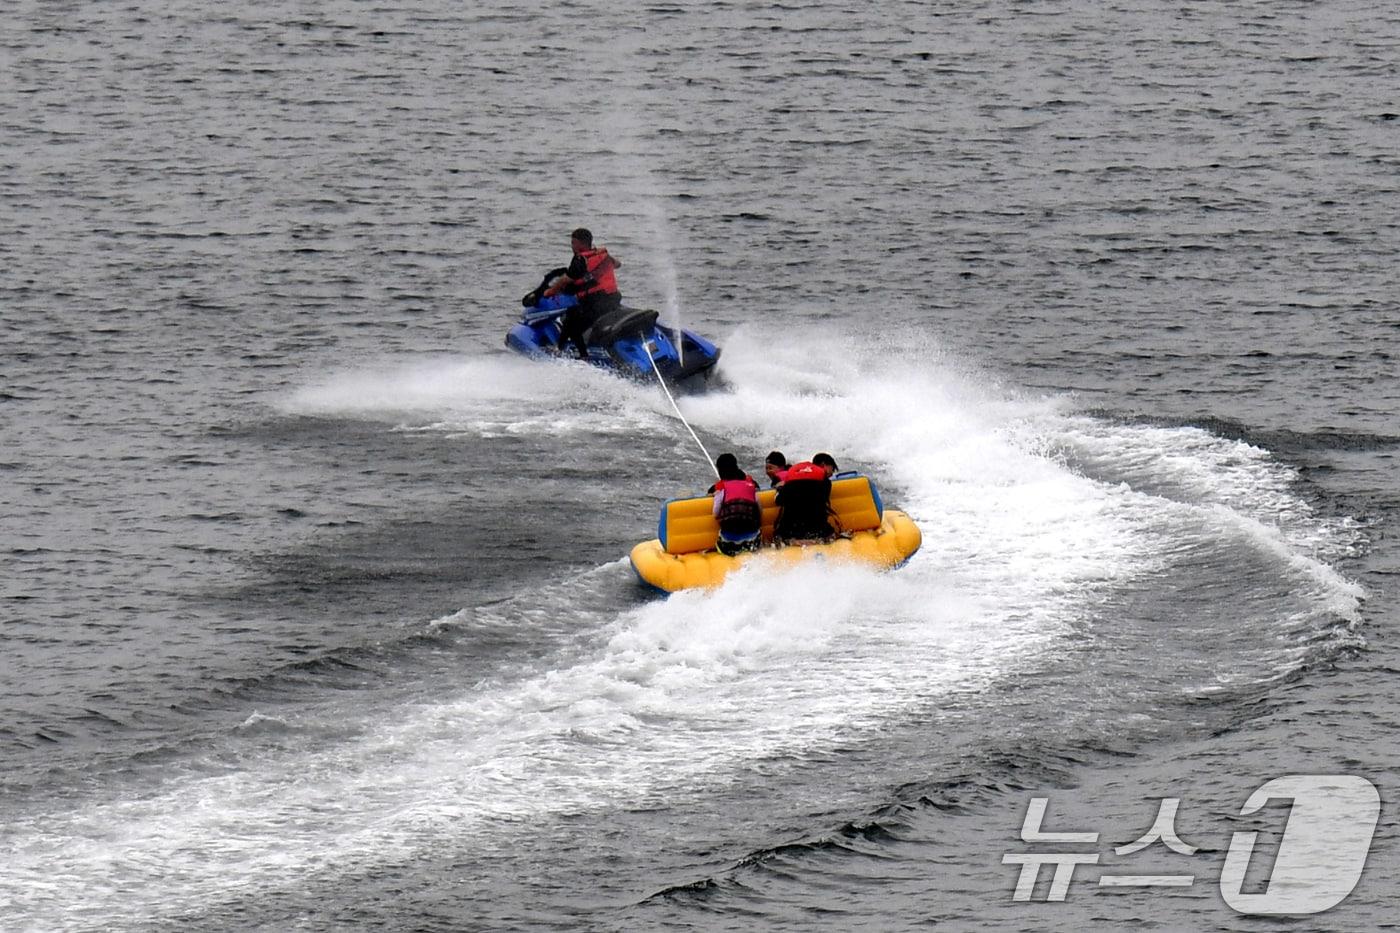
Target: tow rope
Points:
x,y
646,345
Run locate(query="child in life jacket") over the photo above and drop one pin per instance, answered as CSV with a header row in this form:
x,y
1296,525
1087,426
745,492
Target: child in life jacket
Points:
x,y
775,466
736,508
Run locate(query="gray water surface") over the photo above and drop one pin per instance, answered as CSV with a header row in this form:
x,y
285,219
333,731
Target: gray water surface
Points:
x,y
316,614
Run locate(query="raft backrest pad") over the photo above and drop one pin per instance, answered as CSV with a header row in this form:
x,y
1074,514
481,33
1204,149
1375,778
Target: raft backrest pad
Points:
x,y
688,525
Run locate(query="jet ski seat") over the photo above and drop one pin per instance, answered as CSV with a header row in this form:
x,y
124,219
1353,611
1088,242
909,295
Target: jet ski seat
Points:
x,y
621,322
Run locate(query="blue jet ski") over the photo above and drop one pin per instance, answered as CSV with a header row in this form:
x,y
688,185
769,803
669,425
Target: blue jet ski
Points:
x,y
624,341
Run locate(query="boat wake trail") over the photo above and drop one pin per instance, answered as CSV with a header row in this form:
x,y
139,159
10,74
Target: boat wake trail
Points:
x,y
1052,543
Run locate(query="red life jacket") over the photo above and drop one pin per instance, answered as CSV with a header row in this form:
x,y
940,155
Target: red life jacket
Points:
x,y
739,513
804,504
735,489
599,280
804,470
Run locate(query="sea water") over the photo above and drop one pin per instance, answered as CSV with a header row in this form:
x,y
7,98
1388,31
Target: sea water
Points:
x,y
316,608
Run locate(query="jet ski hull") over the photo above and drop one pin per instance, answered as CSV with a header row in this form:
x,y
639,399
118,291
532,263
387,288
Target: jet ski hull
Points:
x,y
625,342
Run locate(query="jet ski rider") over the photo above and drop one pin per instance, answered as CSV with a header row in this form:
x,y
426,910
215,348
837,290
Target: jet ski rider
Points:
x,y
589,278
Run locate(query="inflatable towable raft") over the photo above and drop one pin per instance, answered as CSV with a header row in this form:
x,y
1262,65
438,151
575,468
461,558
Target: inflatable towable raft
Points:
x,y
682,555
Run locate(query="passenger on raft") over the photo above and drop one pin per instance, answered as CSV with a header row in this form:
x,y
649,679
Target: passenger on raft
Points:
x,y
736,507
774,466
804,502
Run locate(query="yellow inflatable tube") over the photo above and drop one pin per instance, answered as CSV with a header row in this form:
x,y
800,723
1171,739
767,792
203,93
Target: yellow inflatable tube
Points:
x,y
682,556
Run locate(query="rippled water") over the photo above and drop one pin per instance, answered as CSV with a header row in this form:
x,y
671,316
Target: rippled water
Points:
x,y
316,614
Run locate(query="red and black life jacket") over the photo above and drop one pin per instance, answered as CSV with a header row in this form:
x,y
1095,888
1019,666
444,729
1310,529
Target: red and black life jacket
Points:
x,y
739,513
802,471
599,279
804,504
